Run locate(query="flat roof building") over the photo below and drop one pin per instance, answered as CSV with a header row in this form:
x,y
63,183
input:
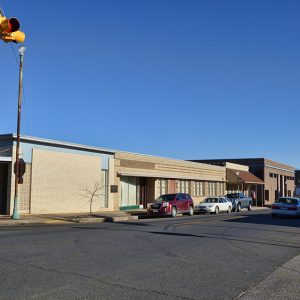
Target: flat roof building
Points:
x,y
59,174
297,182
278,179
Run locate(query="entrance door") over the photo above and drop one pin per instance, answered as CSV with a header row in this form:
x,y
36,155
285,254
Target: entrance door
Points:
x,y
3,188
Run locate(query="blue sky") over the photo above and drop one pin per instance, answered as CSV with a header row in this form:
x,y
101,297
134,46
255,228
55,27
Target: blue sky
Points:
x,y
184,79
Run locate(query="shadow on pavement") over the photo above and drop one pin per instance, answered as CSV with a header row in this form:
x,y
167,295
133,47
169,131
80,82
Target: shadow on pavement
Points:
x,y
267,219
243,240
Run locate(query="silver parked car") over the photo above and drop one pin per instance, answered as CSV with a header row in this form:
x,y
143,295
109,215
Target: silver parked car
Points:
x,y
288,206
214,205
239,201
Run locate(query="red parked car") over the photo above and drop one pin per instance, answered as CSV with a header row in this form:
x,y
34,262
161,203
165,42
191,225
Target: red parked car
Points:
x,y
171,204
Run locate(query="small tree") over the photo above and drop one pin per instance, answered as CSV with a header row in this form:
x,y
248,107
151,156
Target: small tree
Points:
x,y
93,193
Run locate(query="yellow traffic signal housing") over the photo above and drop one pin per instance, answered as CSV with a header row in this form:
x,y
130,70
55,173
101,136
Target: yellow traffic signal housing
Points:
x,y
17,37
9,30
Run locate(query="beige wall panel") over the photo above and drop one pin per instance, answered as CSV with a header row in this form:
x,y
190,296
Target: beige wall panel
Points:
x,y
113,198
59,180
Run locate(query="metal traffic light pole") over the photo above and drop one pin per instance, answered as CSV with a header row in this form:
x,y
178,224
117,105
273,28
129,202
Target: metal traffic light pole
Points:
x,y
16,215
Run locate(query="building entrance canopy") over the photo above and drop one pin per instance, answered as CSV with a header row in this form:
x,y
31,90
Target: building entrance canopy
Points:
x,y
168,175
234,176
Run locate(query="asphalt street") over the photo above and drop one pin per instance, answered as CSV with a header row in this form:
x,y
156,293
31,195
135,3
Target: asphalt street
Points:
x,y
199,257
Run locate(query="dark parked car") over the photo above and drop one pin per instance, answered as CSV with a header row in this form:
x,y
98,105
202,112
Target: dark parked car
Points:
x,y
171,204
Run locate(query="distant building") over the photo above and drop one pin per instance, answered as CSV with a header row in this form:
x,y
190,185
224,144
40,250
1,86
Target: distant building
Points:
x,y
278,179
239,179
297,182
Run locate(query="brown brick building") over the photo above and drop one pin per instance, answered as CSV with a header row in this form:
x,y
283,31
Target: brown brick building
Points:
x,y
297,182
278,178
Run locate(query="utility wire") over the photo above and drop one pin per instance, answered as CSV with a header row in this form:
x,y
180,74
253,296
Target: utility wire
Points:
x,y
14,52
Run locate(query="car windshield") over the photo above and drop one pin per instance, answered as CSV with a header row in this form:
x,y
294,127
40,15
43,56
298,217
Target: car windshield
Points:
x,y
210,200
288,201
168,197
233,195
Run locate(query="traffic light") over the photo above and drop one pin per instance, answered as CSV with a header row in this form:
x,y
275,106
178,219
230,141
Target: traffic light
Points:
x,y
9,30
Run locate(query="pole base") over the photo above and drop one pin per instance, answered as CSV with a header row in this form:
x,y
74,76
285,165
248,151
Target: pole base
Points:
x,y
16,214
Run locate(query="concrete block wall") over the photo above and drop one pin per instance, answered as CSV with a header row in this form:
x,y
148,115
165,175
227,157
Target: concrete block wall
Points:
x,y
25,191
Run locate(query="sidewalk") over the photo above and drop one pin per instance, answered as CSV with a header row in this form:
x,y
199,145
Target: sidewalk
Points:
x,y
281,284
98,217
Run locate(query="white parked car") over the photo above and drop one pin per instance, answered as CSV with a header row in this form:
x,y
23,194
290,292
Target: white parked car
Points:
x,y
214,205
289,206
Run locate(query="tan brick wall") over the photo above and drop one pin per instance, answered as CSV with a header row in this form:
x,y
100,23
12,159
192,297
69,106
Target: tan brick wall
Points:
x,y
59,180
271,183
168,168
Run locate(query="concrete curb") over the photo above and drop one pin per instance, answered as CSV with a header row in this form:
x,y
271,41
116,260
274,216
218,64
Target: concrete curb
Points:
x,y
57,220
31,222
86,220
283,283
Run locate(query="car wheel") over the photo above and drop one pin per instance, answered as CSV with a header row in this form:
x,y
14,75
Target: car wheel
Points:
x,y
229,210
217,210
173,212
191,211
238,208
250,207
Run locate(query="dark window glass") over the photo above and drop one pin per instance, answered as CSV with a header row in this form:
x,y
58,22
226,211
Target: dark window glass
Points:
x,y
267,195
183,197
169,197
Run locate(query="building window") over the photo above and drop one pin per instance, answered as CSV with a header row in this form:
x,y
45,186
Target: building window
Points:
x,y
221,188
183,186
199,188
267,195
161,187
128,191
212,188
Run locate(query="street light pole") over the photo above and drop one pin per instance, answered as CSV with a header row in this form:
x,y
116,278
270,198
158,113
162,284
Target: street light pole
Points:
x,y
16,215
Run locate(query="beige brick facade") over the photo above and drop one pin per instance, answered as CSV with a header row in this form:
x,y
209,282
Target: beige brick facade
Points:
x,y
152,168
59,180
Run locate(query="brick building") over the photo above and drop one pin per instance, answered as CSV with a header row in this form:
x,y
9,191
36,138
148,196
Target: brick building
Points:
x,y
297,182
278,178
57,174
